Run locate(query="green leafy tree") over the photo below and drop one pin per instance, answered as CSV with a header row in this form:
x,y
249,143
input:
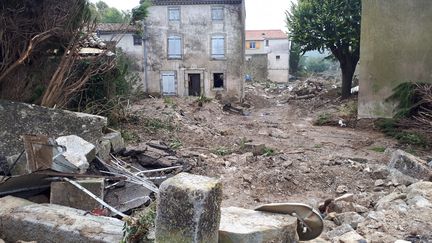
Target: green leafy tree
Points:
x,y
294,59
140,12
333,25
107,14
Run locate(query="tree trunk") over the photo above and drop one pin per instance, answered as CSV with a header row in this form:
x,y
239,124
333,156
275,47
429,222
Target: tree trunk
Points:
x,y
348,70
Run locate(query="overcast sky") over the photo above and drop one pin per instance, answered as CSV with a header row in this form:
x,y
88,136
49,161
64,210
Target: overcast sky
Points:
x,y
260,14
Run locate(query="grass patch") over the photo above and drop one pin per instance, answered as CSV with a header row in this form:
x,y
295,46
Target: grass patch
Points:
x,y
136,230
268,152
323,119
349,109
378,149
168,101
175,144
129,136
318,145
222,151
203,99
155,124
390,128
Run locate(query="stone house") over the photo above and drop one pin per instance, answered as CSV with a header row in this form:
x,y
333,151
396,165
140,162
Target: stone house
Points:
x,y
195,47
267,55
126,38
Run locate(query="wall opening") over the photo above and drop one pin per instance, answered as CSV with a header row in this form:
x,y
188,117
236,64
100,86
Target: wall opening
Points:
x,y
277,57
218,80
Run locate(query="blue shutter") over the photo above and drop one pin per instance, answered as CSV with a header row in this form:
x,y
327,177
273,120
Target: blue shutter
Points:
x,y
218,46
174,47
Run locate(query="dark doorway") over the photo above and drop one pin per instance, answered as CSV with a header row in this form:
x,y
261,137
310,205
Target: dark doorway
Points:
x,y
194,84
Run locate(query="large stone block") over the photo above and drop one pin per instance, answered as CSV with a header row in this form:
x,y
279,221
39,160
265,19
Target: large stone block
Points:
x,y
66,194
239,225
78,151
188,209
17,119
50,223
410,165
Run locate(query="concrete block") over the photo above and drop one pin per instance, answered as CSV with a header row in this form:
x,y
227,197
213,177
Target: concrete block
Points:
x,y
116,139
17,119
66,194
50,223
241,225
104,150
188,209
78,151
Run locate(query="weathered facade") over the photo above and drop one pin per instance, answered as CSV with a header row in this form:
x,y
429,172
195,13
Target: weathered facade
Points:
x,y
195,48
395,48
275,45
126,38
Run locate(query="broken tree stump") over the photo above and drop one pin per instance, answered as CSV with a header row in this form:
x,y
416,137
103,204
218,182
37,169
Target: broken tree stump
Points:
x,y
188,209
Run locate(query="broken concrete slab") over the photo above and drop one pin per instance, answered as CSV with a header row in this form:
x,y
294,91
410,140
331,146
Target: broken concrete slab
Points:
x,y
78,152
52,223
9,202
188,209
17,119
249,226
410,165
66,194
351,218
104,150
128,197
116,140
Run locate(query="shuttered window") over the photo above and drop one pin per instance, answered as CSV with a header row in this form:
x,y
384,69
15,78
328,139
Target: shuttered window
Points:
x,y
173,13
217,13
218,47
174,47
168,83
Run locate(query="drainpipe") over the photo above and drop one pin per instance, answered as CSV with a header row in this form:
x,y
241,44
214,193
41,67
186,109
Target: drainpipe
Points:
x,y
145,38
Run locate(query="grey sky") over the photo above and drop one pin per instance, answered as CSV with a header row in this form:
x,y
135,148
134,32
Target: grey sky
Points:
x,y
260,14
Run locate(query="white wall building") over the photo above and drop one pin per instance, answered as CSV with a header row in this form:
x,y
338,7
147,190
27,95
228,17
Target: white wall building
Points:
x,y
274,44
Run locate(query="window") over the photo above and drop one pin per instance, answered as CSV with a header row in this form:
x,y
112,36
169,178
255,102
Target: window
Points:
x,y
217,13
218,80
267,42
173,13
137,40
277,57
169,83
252,45
218,47
174,47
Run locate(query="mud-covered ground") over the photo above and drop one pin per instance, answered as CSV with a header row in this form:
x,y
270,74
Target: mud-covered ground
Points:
x,y
301,162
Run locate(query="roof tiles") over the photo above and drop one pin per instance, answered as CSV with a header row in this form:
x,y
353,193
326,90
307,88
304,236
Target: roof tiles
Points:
x,y
265,34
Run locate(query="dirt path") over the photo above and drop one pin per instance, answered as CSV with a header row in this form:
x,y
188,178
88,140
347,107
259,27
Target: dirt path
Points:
x,y
308,164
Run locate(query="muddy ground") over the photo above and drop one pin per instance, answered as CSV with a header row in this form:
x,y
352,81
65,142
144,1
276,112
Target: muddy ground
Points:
x,y
301,162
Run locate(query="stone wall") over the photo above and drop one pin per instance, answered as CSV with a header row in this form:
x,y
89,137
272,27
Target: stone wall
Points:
x,y
256,67
395,48
18,119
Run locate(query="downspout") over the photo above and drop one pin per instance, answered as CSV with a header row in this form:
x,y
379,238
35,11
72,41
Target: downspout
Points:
x,y
145,38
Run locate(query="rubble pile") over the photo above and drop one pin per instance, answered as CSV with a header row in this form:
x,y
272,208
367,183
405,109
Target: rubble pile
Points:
x,y
57,176
400,208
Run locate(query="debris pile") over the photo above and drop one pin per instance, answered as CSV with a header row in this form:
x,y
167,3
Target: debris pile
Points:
x,y
67,174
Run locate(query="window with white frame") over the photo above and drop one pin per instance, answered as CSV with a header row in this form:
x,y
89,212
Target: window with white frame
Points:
x,y
217,13
218,47
174,13
174,47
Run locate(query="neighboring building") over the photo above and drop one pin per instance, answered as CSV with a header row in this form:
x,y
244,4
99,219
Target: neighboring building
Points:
x,y
126,38
195,47
272,44
395,48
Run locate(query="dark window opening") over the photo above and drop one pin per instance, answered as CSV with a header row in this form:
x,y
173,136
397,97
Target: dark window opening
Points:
x,y
218,80
267,42
137,40
277,57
